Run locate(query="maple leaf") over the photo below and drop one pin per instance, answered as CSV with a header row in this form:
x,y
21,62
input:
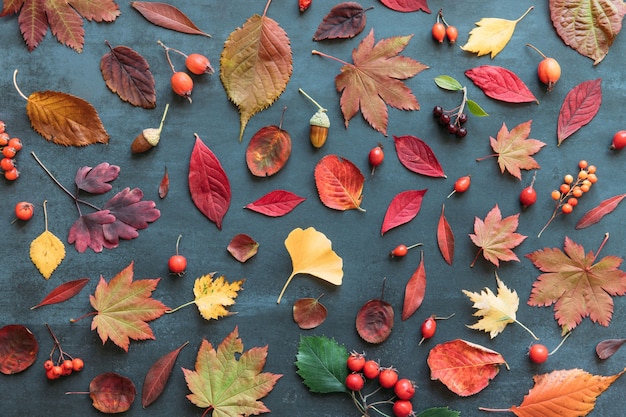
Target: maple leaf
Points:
x,y
124,307
375,80
514,149
229,380
576,284
496,237
63,17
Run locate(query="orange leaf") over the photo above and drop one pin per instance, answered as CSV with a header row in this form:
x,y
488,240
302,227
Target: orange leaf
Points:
x,y
339,183
445,238
415,290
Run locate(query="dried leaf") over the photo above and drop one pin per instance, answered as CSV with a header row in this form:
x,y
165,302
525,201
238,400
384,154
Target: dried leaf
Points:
x,y
243,247
374,321
465,368
579,107
596,214
339,183
167,16
345,20
402,209
445,238
268,151
407,5
212,296
321,364
607,348
112,393
95,180
18,349
415,290
208,183
47,251
417,156
63,292
312,253
164,185
254,80
157,376
276,203
500,84
228,380
308,313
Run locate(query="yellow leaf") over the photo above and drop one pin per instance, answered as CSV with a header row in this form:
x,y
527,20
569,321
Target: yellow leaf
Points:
x,y
213,296
47,251
311,253
491,35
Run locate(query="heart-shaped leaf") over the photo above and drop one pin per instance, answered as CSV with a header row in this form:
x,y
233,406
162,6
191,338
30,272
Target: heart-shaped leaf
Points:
x,y
309,313
18,349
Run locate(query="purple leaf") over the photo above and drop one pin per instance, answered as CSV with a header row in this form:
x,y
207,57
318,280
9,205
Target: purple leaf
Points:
x,y
86,232
96,180
131,214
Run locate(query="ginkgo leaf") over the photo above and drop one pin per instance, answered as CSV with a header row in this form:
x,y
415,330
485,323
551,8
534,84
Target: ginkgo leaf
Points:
x,y
47,251
312,253
255,66
491,35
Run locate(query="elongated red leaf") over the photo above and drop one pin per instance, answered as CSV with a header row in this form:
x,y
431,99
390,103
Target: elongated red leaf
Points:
x,y
164,185
607,348
417,156
402,209
208,183
157,376
339,183
406,5
275,203
445,238
579,107
501,84
415,290
345,20
63,292
596,214
167,16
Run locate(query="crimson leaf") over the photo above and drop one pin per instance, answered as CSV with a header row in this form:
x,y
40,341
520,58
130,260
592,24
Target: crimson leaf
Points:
x,y
500,84
402,209
579,107
63,292
406,5
417,156
276,203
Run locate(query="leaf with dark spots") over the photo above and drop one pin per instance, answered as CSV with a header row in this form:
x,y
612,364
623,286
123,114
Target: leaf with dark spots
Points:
x,y
18,348
345,20
158,375
309,313
268,151
96,180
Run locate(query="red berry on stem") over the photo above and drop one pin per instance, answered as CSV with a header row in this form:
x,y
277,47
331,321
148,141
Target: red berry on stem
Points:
x,y
371,369
198,64
24,210
452,33
355,362
7,164
538,353
12,174
404,389
177,263
439,32
548,70
619,140
401,250
402,408
376,157
78,364
182,84
355,382
388,377
528,196
461,185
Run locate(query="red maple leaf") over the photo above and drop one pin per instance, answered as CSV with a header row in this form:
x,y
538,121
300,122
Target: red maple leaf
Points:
x,y
576,285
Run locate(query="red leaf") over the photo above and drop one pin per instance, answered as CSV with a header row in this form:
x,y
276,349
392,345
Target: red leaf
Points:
x,y
308,313
112,393
131,214
345,20
445,238
268,151
339,183
606,348
374,321
164,185
417,156
167,16
415,290
406,5
596,214
243,247
18,349
63,292
500,84
275,203
87,232
157,376
208,183
579,107
96,180
402,209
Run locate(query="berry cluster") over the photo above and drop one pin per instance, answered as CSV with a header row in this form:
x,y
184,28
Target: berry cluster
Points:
x,y
387,378
64,365
454,120
441,30
9,147
196,63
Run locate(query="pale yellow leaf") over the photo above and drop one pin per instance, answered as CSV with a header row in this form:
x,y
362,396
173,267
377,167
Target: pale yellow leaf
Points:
x,y
312,253
47,251
213,296
491,35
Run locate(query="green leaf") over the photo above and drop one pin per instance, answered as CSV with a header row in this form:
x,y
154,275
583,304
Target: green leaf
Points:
x,y
439,412
475,109
321,363
448,83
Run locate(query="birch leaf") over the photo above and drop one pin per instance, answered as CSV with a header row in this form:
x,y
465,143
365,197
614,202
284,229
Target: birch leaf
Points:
x,y
47,251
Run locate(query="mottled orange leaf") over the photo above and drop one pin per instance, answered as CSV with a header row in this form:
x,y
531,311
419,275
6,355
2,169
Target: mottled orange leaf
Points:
x,y
268,150
339,183
496,237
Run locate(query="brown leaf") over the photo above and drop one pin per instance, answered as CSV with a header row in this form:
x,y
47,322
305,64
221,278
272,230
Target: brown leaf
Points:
x,y
243,247
268,151
445,238
167,16
112,393
157,376
345,20
607,348
309,313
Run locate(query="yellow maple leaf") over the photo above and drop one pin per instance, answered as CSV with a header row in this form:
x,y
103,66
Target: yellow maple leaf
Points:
x,y
496,310
46,250
491,35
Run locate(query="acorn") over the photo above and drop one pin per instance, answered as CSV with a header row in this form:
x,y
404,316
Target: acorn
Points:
x,y
149,137
319,124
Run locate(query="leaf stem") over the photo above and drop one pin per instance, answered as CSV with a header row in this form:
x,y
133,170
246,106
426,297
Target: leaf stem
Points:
x,y
527,329
525,13
606,237
180,306
167,54
495,410
45,215
560,344
482,158
476,257
167,106
316,52
267,6
91,313
536,49
280,296
16,87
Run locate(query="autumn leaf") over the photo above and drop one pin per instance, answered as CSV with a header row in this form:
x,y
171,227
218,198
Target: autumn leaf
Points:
x,y
256,65
112,393
415,290
18,349
607,348
576,284
124,307
514,149
242,247
312,253
407,5
496,237
167,16
164,184
321,363
402,209
96,180
416,156
158,375
501,84
465,368
445,238
63,292
46,250
491,35
276,203
579,107
228,380
131,213
308,313
345,20
339,183
588,27
268,151
596,214
62,17
374,80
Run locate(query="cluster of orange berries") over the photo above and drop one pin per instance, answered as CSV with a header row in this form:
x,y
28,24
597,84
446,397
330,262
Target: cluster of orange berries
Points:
x,y
9,147
573,188
441,30
62,367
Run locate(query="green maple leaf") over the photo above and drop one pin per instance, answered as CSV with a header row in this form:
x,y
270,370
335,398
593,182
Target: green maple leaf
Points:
x,y
228,385
321,363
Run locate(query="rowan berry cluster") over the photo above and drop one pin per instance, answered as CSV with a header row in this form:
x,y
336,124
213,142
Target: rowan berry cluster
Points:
x,y
9,147
387,378
197,64
64,365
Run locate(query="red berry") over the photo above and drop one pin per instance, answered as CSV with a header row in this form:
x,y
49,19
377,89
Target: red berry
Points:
x,y
9,151
404,389
428,329
198,64
549,72
355,362
52,374
12,174
528,196
376,157
67,367
538,353
461,185
47,365
402,408
2,126
4,139
452,33
78,364
619,140
371,369
439,32
177,264
15,143
24,210
355,382
399,251
388,377
7,164
182,84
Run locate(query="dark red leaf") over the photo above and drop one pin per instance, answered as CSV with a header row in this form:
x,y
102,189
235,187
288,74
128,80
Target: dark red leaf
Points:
x,y
406,5
167,16
86,232
63,292
402,209
128,75
417,156
243,247
96,180
164,185
415,290
345,20
445,238
606,348
18,349
374,321
268,151
579,107
112,393
276,203
596,214
157,376
208,183
131,214
500,84
309,313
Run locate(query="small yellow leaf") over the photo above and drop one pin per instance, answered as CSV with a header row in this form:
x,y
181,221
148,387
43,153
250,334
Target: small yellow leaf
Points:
x,y
213,296
47,251
491,35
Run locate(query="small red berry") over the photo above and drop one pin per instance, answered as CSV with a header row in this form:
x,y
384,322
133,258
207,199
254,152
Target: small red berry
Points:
x,y
177,263
7,164
24,210
355,382
9,151
15,143
402,408
198,64
461,185
538,353
619,140
399,251
452,33
376,157
371,369
182,84
47,365
12,174
428,329
77,364
355,362
439,32
388,377
528,196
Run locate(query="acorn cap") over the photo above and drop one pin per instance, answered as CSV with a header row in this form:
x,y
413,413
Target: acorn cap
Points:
x,y
320,118
146,140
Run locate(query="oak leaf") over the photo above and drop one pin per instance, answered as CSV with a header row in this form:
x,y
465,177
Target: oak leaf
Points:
x,y
576,284
496,237
228,380
339,183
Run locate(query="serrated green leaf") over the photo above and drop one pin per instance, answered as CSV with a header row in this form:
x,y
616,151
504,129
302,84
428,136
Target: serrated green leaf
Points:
x,y
448,83
321,363
439,412
475,109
